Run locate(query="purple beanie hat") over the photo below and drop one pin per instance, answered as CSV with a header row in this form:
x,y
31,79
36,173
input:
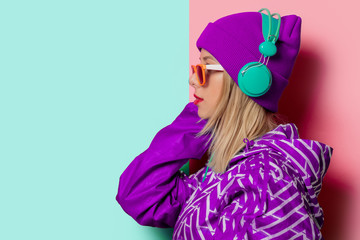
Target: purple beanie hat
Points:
x,y
234,41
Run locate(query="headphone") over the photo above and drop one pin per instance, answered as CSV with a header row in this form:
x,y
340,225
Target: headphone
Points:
x,y
255,78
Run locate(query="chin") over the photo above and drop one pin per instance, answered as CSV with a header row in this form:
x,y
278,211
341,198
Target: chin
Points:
x,y
202,115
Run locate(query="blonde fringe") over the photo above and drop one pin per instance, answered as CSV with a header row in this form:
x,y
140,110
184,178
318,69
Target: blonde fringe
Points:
x,y
236,117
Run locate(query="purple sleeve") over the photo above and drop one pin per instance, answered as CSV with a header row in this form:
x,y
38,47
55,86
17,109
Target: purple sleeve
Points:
x,y
152,189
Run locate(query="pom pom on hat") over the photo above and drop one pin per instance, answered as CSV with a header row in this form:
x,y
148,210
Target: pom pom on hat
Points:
x,y
234,41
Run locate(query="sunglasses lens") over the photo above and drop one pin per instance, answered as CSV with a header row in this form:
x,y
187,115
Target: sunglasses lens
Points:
x,y
200,75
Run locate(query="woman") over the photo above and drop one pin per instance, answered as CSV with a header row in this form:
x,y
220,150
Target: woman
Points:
x,y
262,180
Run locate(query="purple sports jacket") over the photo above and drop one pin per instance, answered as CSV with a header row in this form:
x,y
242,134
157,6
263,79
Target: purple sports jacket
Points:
x,y
269,190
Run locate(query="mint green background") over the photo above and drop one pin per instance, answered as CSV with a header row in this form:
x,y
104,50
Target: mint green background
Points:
x,y
84,87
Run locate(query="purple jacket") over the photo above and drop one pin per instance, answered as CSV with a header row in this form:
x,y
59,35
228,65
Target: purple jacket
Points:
x,y
268,192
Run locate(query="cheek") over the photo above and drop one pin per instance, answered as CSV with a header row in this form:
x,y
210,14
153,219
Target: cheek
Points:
x,y
217,89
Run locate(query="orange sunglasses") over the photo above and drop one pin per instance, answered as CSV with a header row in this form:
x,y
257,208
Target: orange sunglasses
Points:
x,y
199,70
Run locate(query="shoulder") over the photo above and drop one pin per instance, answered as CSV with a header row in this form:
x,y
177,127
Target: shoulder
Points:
x,y
255,160
262,168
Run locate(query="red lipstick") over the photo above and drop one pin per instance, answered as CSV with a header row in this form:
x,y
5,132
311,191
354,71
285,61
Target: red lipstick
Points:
x,y
197,100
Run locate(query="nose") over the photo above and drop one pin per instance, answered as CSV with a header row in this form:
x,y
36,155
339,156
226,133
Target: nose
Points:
x,y
192,81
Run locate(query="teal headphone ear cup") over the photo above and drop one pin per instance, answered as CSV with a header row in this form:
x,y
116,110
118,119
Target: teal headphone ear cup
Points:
x,y
254,79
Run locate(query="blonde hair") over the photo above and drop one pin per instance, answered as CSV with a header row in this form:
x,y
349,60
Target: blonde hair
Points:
x,y
236,117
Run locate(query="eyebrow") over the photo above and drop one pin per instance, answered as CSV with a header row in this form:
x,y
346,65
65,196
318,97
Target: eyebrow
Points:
x,y
208,57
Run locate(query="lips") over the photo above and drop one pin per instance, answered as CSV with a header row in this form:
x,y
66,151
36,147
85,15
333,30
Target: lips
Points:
x,y
198,99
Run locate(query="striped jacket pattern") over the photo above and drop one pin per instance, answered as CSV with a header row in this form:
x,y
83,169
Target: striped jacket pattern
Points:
x,y
269,190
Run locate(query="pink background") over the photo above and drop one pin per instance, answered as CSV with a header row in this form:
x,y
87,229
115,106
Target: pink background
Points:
x,y
322,97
